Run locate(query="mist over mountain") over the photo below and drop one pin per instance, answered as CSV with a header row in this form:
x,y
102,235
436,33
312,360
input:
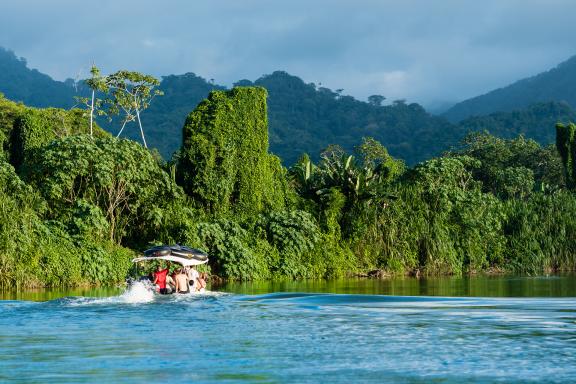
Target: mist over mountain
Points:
x,y
557,84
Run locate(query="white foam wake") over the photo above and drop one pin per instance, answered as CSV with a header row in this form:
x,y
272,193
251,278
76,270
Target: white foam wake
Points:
x,y
137,292
141,292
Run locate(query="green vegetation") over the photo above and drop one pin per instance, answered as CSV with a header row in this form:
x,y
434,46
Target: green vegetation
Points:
x,y
566,144
303,118
35,251
307,118
224,163
75,207
533,122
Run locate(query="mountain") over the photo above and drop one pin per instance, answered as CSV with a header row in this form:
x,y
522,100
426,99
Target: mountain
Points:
x,y
307,118
558,84
19,83
537,122
302,117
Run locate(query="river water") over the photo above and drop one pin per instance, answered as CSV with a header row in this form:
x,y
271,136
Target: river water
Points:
x,y
481,329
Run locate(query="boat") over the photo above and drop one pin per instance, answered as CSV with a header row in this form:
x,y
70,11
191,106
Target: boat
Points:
x,y
180,254
177,253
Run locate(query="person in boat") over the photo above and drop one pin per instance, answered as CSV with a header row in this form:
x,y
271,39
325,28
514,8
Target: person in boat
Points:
x,y
170,283
182,285
193,275
160,278
201,281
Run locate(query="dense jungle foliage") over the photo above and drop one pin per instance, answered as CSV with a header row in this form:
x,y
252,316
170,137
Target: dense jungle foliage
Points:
x,y
75,208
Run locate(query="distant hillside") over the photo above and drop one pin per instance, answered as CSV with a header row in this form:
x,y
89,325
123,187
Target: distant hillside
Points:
x,y
19,83
558,84
536,122
306,118
302,117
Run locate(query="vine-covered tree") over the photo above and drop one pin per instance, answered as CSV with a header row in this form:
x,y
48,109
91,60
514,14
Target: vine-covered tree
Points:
x,y
566,144
224,164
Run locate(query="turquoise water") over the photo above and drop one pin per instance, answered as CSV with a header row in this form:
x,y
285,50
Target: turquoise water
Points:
x,y
405,330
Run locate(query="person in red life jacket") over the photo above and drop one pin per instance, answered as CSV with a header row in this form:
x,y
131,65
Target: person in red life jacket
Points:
x,y
160,279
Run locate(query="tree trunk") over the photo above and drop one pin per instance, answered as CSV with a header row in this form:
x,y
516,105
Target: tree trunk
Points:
x,y
141,130
139,122
92,114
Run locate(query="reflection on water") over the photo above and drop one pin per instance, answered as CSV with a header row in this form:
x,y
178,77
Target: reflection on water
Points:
x,y
56,293
402,330
476,286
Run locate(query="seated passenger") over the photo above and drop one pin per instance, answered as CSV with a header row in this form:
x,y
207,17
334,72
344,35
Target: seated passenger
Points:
x,y
181,279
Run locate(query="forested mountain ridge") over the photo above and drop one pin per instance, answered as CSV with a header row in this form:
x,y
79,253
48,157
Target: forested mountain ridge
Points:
x,y
557,84
306,118
303,117
19,83
537,121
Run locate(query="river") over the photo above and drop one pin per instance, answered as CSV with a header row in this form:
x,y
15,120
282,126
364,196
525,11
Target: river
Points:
x,y
479,329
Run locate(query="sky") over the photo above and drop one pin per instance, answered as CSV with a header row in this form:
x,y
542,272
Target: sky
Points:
x,y
432,52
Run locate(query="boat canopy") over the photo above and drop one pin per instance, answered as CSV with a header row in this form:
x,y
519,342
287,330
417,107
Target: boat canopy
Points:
x,y
177,253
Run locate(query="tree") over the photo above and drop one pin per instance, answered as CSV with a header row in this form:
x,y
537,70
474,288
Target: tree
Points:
x,y
131,93
224,164
500,159
97,83
376,100
117,179
566,145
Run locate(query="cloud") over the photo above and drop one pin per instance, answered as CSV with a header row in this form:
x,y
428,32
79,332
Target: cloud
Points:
x,y
419,50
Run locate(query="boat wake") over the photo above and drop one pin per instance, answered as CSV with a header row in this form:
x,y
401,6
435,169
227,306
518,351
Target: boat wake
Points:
x,y
136,293
140,292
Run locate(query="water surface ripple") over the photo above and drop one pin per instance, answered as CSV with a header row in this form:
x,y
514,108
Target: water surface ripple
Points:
x,y
288,337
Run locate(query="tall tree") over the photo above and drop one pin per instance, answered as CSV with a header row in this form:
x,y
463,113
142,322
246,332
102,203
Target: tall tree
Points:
x,y
97,83
131,93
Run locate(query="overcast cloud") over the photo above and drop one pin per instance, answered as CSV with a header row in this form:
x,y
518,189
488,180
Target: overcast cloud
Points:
x,y
425,51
